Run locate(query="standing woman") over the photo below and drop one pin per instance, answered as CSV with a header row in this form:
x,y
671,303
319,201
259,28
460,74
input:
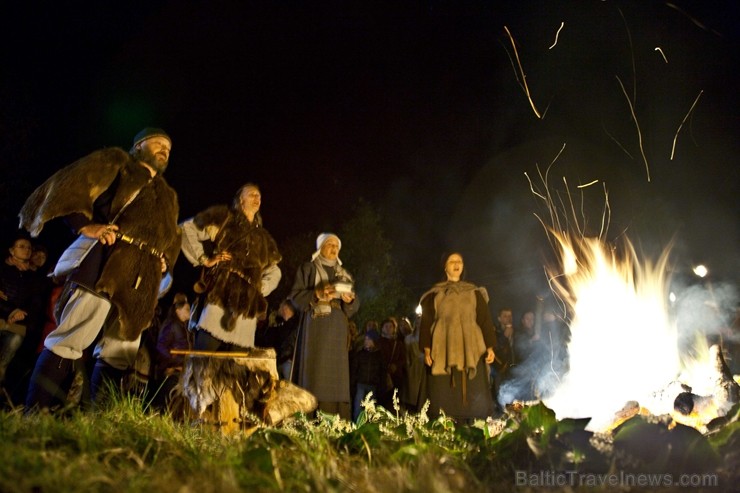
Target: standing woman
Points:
x,y
323,291
458,337
240,258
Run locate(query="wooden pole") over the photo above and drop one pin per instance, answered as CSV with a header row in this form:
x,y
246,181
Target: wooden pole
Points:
x,y
217,354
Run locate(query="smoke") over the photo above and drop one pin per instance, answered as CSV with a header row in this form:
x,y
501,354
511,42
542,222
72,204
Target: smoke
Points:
x,y
705,315
541,364
705,309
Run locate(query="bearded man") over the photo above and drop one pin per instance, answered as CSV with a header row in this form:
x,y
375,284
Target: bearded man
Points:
x,y
120,199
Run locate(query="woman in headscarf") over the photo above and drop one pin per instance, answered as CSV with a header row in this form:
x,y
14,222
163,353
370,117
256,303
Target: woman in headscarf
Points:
x,y
323,290
458,337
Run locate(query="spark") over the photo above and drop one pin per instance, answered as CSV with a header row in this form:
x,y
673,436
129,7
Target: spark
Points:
x,y
657,48
637,126
554,218
573,209
547,199
562,24
592,277
564,216
632,57
616,141
693,19
524,77
531,187
606,215
675,138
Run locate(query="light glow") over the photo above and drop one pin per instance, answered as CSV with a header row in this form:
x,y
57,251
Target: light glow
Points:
x,y
701,271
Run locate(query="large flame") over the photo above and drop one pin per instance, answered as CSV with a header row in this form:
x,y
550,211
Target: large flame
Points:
x,y
623,345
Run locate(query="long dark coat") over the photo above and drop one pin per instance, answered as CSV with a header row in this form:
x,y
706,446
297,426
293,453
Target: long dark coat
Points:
x,y
323,360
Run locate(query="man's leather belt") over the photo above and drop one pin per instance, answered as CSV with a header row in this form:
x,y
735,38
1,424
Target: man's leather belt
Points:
x,y
239,273
140,244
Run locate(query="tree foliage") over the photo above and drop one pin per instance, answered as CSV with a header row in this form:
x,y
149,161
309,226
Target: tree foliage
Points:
x,y
368,254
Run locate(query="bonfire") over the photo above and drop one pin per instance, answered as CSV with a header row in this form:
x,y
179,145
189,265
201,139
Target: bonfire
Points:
x,y
627,351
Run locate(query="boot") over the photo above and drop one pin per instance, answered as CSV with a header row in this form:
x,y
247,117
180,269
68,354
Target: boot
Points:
x,y
50,382
104,378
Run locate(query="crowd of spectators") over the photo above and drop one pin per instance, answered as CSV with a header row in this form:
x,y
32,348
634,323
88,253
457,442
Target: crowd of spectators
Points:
x,y
59,328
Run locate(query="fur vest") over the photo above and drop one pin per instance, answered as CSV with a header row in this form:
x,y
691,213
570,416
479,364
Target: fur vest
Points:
x,y
129,277
237,284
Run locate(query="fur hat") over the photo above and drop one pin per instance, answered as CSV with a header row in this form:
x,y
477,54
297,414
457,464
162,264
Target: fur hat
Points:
x,y
148,133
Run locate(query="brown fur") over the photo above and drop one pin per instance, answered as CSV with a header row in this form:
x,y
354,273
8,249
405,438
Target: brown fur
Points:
x,y
252,385
72,189
252,249
130,276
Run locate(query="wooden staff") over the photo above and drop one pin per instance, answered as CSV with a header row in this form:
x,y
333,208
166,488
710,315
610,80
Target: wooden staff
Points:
x,y
217,354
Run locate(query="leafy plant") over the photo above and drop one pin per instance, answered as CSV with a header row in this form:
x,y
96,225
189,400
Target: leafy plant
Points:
x,y
126,447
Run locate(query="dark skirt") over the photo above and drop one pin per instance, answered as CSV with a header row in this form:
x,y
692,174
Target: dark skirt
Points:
x,y
446,394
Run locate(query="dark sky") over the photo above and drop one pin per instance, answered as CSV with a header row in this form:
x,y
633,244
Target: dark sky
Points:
x,y
413,106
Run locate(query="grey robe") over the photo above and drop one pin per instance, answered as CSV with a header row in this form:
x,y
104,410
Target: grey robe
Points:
x,y
323,357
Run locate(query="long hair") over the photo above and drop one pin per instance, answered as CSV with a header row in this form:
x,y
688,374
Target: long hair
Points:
x,y
236,203
178,302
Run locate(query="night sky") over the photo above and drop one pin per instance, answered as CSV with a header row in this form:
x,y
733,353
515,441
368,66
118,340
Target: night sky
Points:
x,y
416,107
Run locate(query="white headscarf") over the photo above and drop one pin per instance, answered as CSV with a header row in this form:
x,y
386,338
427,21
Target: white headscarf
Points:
x,y
320,242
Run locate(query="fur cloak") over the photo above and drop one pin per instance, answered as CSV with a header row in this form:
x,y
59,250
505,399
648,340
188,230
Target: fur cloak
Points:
x,y
129,277
236,286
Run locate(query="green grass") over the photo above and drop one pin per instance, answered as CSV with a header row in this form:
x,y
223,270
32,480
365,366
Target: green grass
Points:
x,y
126,448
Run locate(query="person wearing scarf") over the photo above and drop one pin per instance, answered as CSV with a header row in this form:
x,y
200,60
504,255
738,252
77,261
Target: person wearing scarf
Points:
x,y
458,337
323,291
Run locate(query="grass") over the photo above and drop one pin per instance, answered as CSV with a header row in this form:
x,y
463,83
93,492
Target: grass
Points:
x,y
124,447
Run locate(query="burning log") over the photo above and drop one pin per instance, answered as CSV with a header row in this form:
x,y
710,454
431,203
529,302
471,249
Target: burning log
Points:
x,y
678,403
687,403
700,411
727,391
662,402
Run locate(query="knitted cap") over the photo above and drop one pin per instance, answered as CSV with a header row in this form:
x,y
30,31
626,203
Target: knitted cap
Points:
x,y
148,133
